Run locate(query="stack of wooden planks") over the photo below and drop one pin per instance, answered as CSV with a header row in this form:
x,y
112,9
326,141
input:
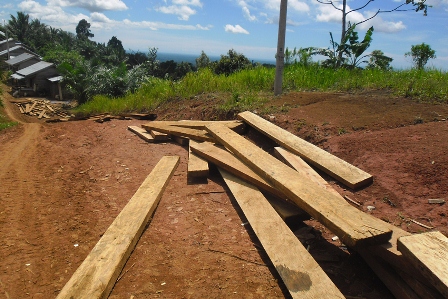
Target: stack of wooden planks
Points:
x,y
41,109
411,266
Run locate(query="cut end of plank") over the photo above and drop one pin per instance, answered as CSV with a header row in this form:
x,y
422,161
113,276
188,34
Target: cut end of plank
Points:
x,y
428,252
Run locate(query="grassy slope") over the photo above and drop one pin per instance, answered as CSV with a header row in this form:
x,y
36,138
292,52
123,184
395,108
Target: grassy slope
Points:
x,y
247,88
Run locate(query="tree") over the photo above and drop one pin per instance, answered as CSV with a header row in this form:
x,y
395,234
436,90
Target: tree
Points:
x,y
202,61
417,5
19,26
379,61
231,63
115,44
83,30
421,54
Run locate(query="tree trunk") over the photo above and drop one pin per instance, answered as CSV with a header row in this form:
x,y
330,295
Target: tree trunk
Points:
x,y
343,31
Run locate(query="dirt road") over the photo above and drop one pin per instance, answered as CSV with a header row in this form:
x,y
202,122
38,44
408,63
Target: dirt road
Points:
x,y
62,184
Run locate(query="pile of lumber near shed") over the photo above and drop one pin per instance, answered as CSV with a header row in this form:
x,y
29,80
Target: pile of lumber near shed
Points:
x,y
42,109
411,266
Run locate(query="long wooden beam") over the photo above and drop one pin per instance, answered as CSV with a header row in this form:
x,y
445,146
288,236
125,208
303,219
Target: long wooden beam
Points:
x,y
227,161
236,125
219,156
97,274
339,169
142,133
303,277
377,256
195,134
352,226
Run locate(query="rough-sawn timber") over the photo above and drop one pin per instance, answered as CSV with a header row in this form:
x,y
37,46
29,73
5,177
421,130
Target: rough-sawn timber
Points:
x,y
303,277
97,274
352,226
339,169
428,252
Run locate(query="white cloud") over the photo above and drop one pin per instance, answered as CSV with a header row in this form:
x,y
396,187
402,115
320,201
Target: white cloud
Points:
x,y
93,6
160,25
235,29
51,15
181,8
246,11
99,17
296,5
188,2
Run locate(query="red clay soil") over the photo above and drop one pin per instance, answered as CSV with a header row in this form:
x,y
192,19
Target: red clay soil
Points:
x,y
62,185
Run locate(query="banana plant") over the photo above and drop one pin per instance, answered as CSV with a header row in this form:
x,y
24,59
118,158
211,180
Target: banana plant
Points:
x,y
349,53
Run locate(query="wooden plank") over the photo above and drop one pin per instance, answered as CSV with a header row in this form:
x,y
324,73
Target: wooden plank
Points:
x,y
97,274
372,254
180,140
352,226
221,157
301,166
41,114
197,167
391,279
32,106
159,136
142,133
428,252
342,171
199,135
303,277
227,161
49,107
27,108
236,125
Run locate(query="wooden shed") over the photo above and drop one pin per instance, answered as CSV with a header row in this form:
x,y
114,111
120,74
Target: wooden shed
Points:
x,y
34,78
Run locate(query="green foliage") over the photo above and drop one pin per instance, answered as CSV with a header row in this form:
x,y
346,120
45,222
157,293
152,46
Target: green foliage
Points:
x,y
202,61
303,56
421,54
18,26
349,53
231,63
379,61
83,30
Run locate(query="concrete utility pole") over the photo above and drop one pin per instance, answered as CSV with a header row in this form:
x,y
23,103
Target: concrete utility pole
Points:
x,y
280,57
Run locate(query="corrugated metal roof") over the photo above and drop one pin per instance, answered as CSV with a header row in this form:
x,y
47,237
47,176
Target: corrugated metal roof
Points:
x,y
55,79
21,58
10,50
17,76
4,41
35,68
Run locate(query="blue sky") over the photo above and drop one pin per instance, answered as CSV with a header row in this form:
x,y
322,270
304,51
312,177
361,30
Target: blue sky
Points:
x,y
250,27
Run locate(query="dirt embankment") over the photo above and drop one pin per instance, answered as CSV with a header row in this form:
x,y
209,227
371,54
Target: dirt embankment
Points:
x,y
63,184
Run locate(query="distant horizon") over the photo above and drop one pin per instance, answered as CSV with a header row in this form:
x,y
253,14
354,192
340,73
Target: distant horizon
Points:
x,y
186,57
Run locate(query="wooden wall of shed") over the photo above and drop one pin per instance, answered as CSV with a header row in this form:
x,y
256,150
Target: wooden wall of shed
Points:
x,y
43,85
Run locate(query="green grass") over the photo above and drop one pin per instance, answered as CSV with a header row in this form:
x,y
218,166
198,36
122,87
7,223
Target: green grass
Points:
x,y
4,121
250,88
